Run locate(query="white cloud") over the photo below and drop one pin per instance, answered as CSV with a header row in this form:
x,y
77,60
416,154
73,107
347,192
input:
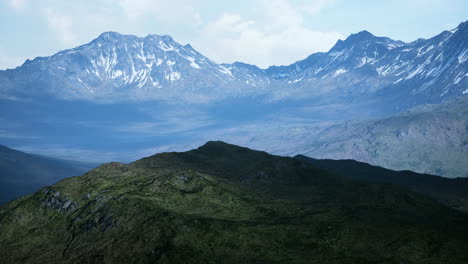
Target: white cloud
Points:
x,y
280,39
62,25
8,61
272,35
18,4
174,10
280,14
315,6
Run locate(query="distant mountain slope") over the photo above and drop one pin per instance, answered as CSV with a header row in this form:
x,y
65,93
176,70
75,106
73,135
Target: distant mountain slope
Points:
x,y
432,139
22,173
116,67
155,92
226,204
453,192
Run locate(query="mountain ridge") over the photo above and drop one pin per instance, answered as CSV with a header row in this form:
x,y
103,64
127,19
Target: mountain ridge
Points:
x,y
188,207
121,67
453,192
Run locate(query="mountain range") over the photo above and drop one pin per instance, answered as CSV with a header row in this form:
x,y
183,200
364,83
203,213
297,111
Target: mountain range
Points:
x,y
222,203
122,67
120,97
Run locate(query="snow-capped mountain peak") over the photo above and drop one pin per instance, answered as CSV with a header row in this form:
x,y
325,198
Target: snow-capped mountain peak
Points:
x,y
115,66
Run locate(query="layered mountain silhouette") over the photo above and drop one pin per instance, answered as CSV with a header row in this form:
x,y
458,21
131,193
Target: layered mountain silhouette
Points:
x,y
430,139
22,173
222,203
367,99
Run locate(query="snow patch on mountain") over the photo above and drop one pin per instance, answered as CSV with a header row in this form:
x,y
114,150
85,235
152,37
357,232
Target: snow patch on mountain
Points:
x,y
339,71
116,64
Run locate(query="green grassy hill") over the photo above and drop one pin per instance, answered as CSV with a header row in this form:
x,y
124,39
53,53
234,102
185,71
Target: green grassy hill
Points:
x,y
452,192
222,203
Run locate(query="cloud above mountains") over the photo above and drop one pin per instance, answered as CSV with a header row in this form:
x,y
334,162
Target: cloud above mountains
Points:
x,y
274,33
260,32
17,4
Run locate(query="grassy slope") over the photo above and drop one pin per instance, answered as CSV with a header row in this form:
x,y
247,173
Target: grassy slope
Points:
x,y
453,192
226,204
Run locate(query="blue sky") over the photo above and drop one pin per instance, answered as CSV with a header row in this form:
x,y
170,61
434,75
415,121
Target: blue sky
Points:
x,y
260,32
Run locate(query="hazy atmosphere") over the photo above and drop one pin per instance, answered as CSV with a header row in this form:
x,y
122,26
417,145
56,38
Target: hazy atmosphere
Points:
x,y
185,131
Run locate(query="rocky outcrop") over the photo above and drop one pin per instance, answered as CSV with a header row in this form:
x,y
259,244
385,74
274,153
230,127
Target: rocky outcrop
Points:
x,y
56,201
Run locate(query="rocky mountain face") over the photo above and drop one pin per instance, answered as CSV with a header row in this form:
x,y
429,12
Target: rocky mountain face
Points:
x,y
117,67
223,203
423,71
22,173
431,139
